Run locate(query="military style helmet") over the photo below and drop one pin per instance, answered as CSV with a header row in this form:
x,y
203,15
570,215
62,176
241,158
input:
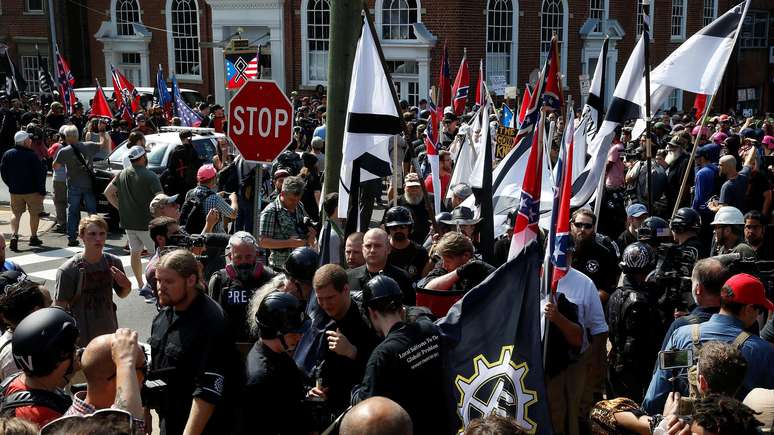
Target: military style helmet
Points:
x,y
381,292
301,264
654,230
638,257
398,215
280,313
44,339
686,219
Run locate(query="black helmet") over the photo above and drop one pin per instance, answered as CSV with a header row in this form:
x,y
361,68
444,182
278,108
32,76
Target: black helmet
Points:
x,y
424,114
638,257
654,230
301,264
381,292
280,313
686,219
398,215
44,339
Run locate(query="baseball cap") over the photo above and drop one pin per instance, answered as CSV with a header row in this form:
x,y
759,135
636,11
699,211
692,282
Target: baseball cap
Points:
x,y
745,289
140,117
768,141
719,137
161,200
281,172
412,179
636,210
136,152
21,136
206,172
702,152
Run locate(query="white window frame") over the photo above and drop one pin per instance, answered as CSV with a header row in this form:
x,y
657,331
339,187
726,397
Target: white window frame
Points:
x,y
28,11
305,53
639,19
380,10
171,54
114,16
712,8
513,59
561,40
677,32
604,17
755,42
676,99
29,68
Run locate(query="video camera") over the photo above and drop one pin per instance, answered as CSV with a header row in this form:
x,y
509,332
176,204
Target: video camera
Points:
x,y
207,241
304,226
763,270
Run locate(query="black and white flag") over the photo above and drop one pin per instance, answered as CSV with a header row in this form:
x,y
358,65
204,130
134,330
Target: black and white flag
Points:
x,y
698,64
45,81
373,119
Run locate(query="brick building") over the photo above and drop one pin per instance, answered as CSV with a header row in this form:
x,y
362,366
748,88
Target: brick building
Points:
x,y
188,37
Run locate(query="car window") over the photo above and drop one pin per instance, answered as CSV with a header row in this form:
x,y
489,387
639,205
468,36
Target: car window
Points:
x,y
156,154
118,154
205,148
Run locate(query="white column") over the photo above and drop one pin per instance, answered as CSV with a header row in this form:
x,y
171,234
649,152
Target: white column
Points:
x,y
109,55
218,66
145,67
424,77
277,55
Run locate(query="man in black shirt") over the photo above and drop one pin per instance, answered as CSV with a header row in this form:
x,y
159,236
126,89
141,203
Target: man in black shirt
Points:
x,y
192,351
404,252
755,236
415,200
273,397
591,257
182,166
349,339
376,250
233,286
406,366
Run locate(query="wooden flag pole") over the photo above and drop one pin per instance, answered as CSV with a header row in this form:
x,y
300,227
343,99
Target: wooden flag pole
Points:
x,y
648,144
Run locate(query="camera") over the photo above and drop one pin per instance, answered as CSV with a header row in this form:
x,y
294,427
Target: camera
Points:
x,y
154,391
190,241
304,226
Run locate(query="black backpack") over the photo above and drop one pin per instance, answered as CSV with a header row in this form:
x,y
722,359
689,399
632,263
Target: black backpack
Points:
x,y
193,215
55,400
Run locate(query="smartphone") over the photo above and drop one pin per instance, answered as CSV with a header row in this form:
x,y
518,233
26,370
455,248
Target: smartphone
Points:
x,y
675,359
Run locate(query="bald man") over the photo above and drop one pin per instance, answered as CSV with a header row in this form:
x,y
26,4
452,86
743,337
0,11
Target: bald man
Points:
x,y
376,416
376,248
114,365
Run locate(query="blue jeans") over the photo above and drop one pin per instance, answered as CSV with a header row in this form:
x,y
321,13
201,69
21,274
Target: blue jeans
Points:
x,y
74,196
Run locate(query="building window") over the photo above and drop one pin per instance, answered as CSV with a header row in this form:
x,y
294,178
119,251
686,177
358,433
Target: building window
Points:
x,y
398,17
499,38
34,6
30,72
185,38
755,29
710,11
675,100
678,19
641,16
317,40
551,21
127,13
597,12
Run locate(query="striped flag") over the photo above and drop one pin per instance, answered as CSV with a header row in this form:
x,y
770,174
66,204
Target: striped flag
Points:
x,y
253,68
525,102
165,99
461,87
526,229
561,225
45,81
182,111
431,144
444,81
552,95
127,98
65,80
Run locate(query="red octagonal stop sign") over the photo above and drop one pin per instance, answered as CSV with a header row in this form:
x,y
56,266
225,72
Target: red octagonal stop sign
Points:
x,y
260,120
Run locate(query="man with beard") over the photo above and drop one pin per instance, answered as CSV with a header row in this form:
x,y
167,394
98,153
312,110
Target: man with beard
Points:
x,y
635,215
755,235
591,256
404,253
414,199
733,191
728,226
677,159
376,250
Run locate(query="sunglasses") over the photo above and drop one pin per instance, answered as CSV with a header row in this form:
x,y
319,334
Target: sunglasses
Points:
x,y
116,421
583,225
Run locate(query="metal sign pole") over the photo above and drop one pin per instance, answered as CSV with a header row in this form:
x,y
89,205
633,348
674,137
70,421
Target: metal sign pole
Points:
x,y
257,198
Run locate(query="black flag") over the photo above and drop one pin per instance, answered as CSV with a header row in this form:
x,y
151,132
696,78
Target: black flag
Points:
x,y
15,83
493,353
45,81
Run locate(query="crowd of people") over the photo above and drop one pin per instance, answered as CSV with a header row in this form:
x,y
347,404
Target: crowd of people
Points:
x,y
281,322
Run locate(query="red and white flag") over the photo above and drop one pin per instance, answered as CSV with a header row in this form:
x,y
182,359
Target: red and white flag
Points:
x,y
526,228
127,98
480,96
253,68
431,141
525,102
461,87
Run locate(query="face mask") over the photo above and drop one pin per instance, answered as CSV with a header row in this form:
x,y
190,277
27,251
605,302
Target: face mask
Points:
x,y
244,272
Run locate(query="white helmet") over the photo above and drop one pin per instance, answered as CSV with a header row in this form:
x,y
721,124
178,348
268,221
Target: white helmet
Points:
x,y
728,215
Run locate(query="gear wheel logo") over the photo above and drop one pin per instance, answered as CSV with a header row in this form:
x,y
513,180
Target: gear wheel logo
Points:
x,y
496,387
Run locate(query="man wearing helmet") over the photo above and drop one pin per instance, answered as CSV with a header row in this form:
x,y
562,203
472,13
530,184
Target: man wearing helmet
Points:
x,y
299,271
233,285
274,392
728,227
406,366
44,348
404,252
630,318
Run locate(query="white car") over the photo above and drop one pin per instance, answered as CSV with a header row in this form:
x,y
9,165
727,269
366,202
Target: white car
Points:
x,y
85,95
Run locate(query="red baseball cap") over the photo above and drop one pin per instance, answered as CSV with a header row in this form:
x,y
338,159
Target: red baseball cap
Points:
x,y
745,289
206,172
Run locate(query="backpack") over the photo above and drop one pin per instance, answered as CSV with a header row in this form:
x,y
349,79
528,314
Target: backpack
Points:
x,y
193,215
693,370
55,400
619,307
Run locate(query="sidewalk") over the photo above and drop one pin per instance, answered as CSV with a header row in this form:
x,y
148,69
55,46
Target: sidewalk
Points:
x,y
46,224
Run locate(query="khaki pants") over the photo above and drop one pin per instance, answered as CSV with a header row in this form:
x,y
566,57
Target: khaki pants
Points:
x,y
28,201
565,392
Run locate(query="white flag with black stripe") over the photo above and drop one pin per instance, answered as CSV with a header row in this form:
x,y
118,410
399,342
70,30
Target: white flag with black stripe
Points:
x,y
372,120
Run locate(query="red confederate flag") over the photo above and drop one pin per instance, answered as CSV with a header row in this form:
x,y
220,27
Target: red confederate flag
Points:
x,y
480,85
124,92
525,101
444,81
552,95
66,81
461,87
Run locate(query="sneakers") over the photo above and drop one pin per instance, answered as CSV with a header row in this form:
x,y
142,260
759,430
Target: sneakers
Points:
x,y
73,242
13,244
35,241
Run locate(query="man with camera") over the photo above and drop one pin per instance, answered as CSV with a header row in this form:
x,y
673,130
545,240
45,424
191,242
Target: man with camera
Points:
x,y
115,368
742,299
233,286
284,225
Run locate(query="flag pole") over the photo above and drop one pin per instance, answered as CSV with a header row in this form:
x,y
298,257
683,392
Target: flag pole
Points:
x,y
648,145
693,154
395,171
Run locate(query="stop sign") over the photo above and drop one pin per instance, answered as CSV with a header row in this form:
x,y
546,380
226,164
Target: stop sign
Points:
x,y
260,120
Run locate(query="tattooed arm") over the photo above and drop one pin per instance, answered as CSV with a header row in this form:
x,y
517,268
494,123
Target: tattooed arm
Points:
x,y
128,358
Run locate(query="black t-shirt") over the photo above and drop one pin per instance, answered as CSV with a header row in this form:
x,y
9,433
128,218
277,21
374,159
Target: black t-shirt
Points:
x,y
407,368
313,184
234,296
359,276
183,164
757,185
201,361
412,259
421,219
501,249
598,263
273,397
560,353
